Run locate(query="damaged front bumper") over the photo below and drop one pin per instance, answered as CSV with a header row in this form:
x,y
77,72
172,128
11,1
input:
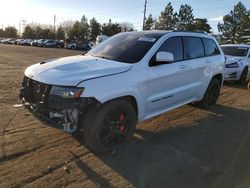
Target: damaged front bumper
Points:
x,y
61,112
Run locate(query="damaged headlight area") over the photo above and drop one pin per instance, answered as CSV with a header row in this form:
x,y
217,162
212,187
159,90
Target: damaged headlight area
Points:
x,y
60,105
66,92
233,65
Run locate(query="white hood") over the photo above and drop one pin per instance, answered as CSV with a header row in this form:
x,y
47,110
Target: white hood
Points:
x,y
69,71
233,59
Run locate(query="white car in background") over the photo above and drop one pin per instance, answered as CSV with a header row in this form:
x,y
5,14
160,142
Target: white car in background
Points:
x,y
100,39
237,66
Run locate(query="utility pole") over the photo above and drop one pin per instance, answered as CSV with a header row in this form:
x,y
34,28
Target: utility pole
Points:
x,y
55,26
19,29
144,14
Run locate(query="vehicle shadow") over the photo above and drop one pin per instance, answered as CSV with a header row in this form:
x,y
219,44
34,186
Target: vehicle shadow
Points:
x,y
212,153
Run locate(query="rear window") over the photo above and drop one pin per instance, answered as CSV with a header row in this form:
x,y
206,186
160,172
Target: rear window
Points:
x,y
235,50
193,47
210,47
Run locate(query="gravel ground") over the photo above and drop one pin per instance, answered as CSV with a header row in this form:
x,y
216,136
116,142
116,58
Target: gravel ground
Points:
x,y
186,147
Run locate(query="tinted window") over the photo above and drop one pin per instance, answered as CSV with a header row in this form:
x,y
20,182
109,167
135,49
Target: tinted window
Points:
x,y
193,47
173,45
210,47
235,50
126,47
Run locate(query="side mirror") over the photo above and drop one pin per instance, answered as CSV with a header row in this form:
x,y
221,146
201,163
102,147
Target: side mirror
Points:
x,y
166,57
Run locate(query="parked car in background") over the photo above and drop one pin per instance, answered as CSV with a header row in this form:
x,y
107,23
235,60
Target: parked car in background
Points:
x,y
79,45
26,42
100,39
34,42
53,43
6,41
18,41
40,42
131,77
12,41
237,65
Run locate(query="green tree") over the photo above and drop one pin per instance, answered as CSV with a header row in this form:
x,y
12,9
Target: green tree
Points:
x,y
2,34
185,18
85,28
38,31
200,25
246,28
10,32
60,33
149,23
235,25
47,33
95,29
78,32
167,19
67,26
29,33
110,28
126,26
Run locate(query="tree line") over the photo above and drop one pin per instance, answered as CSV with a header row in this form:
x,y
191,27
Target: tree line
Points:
x,y
235,27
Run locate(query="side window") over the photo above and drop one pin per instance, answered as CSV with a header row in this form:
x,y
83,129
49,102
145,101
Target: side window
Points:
x,y
173,45
210,47
193,47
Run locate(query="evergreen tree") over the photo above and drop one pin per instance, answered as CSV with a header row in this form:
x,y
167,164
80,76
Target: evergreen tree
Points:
x,y
95,29
167,19
235,25
29,33
185,18
10,32
200,25
85,28
149,23
110,28
80,30
126,26
60,33
2,34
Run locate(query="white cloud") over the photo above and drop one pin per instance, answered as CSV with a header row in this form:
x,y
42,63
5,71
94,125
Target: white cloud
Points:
x,y
216,19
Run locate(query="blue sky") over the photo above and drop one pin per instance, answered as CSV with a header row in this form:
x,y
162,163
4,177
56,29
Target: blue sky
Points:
x,y
42,11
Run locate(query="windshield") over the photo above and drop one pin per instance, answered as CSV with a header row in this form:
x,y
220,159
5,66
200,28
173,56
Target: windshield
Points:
x,y
128,47
235,51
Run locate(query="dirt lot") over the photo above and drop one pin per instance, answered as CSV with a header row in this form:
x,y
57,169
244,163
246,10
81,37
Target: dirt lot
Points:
x,y
187,147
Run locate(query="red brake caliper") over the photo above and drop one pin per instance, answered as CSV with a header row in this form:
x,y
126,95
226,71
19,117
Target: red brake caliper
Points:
x,y
122,127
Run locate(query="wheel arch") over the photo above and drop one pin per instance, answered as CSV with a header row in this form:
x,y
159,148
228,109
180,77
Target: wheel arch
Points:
x,y
129,98
218,77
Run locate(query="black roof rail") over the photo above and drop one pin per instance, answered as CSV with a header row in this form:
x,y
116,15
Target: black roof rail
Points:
x,y
189,31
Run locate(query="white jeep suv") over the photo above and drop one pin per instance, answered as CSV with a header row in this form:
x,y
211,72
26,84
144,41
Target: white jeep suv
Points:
x,y
237,62
128,78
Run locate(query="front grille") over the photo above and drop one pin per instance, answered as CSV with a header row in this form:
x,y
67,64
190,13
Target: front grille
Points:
x,y
36,92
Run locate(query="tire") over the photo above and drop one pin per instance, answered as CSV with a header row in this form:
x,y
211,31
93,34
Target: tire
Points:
x,y
211,95
72,47
243,77
109,126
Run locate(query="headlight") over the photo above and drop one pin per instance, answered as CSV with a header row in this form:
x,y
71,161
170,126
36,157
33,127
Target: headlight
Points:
x,y
233,65
66,92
